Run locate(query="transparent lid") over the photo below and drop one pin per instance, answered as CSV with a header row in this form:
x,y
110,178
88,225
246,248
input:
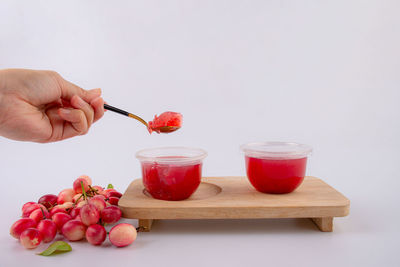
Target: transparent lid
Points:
x,y
278,150
172,155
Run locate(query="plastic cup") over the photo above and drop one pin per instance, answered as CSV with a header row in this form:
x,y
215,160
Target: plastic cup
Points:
x,y
276,167
171,173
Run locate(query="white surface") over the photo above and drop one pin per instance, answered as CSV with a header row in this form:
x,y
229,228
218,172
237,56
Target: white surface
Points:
x,y
324,74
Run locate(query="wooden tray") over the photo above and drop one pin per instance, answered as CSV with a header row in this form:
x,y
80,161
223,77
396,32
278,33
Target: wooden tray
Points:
x,y
235,198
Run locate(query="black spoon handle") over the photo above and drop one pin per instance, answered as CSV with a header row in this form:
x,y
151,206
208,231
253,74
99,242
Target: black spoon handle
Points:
x,y
126,113
117,110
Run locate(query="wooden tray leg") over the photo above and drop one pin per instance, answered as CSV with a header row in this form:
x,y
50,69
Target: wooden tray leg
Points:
x,y
325,224
146,224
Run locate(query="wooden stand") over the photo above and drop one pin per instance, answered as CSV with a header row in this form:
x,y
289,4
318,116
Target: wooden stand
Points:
x,y
235,198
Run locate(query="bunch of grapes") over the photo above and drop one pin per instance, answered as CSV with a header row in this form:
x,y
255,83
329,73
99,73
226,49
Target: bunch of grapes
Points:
x,y
76,213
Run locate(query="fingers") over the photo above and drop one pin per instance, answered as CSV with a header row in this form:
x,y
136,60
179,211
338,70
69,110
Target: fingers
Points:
x,y
80,116
98,107
79,103
77,125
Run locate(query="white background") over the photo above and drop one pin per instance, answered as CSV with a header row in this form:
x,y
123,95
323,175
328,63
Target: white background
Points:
x,y
324,73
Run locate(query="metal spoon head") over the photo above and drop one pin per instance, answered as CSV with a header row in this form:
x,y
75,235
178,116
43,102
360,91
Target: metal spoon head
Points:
x,y
166,129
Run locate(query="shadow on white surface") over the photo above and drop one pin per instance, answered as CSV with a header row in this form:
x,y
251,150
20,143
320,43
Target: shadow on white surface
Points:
x,y
236,227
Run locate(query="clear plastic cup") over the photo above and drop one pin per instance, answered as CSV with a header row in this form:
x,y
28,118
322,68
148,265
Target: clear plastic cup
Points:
x,y
171,173
276,167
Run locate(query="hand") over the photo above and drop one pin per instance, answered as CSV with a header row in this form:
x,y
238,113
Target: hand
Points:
x,y
41,106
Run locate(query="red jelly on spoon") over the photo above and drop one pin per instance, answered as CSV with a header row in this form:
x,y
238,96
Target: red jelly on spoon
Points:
x,y
167,122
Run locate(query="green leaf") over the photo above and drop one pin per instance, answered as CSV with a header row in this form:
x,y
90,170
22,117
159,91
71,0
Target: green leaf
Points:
x,y
110,186
58,246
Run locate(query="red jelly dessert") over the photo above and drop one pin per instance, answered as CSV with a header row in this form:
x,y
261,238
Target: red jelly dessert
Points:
x,y
171,173
165,123
276,167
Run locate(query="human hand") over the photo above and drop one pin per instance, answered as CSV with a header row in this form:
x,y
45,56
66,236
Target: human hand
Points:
x,y
41,106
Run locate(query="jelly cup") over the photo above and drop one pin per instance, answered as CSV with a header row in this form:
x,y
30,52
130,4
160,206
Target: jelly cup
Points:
x,y
276,167
171,173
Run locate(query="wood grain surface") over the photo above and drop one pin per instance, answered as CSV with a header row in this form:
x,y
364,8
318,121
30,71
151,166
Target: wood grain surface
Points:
x,y
235,198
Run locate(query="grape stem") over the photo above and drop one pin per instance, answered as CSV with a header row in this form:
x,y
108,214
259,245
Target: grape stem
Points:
x,y
44,216
83,191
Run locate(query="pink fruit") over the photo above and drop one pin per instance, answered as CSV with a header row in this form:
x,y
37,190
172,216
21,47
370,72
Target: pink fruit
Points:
x,y
48,229
99,196
98,202
37,215
77,185
48,200
122,234
67,205
89,214
87,178
74,230
30,238
111,214
96,234
113,201
27,204
78,218
114,194
57,209
106,191
60,219
75,212
65,195
81,203
21,225
77,198
28,210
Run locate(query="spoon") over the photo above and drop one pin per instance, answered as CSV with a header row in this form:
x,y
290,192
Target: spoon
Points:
x,y
161,129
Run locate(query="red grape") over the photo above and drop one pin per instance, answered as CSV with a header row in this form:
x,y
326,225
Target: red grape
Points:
x,y
89,214
111,214
82,203
48,229
77,198
21,225
114,194
30,238
27,204
106,191
87,178
48,200
65,195
57,209
60,219
78,187
122,234
113,201
75,212
28,210
96,234
74,230
37,215
98,202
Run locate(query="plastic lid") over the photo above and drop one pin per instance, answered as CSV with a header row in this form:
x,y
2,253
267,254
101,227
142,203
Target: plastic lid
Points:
x,y
278,150
172,155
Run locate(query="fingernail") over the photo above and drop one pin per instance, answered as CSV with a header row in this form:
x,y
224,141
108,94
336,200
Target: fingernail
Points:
x,y
81,103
